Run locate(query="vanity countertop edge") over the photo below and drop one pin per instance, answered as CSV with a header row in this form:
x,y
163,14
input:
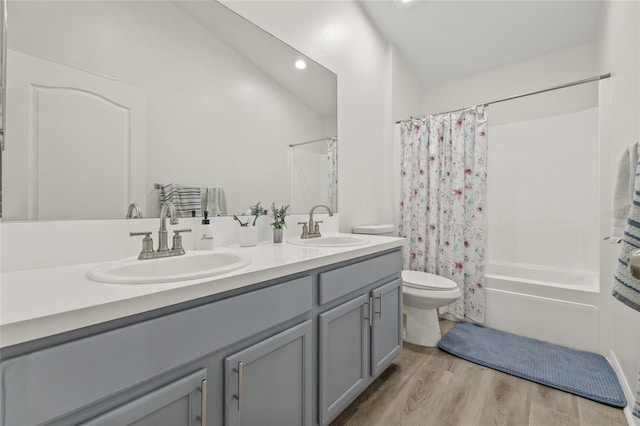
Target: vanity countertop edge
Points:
x,y
43,302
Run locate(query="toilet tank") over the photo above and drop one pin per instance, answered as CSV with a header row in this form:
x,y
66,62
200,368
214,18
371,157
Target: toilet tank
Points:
x,y
384,230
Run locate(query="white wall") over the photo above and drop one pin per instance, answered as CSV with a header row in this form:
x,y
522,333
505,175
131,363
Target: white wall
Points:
x,y
542,197
339,36
406,101
619,53
539,73
195,132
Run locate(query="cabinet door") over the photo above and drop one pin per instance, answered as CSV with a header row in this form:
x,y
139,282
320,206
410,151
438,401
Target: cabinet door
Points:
x,y
386,332
269,383
176,404
343,355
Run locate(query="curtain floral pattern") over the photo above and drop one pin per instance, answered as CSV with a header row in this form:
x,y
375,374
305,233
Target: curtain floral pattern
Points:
x,y
442,209
332,175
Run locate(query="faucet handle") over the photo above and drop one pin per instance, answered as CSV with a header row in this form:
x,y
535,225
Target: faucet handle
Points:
x,y
147,245
305,230
178,231
177,240
316,227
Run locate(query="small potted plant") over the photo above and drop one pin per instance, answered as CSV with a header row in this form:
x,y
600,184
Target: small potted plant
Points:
x,y
278,215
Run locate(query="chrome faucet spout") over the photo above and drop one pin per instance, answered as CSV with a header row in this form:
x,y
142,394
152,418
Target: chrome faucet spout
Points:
x,y
163,250
167,209
134,212
170,209
314,227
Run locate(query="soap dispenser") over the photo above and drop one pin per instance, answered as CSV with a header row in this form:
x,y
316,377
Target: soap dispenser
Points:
x,y
204,238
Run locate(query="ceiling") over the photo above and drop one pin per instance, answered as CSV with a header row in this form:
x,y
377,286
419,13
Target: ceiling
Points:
x,y
448,40
316,86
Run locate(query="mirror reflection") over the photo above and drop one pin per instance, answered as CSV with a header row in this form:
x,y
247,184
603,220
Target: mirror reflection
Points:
x,y
111,103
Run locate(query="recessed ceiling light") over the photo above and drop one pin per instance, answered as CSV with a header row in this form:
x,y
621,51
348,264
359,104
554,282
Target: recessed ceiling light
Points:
x,y
402,4
300,64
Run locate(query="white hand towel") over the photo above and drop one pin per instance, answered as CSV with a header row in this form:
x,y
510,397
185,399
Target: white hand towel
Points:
x,y
214,200
623,192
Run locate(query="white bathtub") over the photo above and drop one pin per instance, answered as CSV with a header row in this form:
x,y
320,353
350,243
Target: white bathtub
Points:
x,y
539,275
555,305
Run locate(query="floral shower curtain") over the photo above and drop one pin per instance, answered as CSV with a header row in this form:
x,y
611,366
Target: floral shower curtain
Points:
x,y
442,212
332,175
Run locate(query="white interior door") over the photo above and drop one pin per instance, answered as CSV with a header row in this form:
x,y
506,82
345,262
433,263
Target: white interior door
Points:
x,y
76,143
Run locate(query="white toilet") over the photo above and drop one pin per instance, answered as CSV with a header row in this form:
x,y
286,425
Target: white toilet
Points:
x,y
423,294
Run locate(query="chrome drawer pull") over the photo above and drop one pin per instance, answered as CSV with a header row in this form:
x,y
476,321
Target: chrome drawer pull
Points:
x,y
380,311
203,403
239,395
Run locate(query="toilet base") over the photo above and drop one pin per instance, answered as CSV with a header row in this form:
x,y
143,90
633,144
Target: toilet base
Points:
x,y
422,326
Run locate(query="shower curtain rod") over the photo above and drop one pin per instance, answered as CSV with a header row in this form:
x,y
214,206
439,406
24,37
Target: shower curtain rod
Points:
x,y
561,86
313,141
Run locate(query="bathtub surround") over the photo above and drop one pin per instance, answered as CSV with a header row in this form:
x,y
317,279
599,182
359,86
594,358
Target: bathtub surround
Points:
x,y
442,210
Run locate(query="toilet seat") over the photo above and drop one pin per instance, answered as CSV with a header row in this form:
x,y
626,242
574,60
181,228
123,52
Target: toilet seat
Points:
x,y
426,281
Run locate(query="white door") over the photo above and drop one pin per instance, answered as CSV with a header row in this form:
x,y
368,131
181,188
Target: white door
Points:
x,y
76,143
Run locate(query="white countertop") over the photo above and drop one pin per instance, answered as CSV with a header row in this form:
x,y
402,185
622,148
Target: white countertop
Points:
x,y
42,302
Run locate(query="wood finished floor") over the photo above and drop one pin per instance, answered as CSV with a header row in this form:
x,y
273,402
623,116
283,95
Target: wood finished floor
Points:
x,y
427,386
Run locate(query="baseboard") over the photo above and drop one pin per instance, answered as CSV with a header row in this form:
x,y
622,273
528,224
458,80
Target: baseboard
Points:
x,y
628,392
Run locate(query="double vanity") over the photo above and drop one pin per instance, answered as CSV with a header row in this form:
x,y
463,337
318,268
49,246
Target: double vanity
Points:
x,y
289,335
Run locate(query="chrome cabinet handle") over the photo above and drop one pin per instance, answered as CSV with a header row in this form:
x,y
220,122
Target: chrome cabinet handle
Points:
x,y
380,311
370,309
202,418
239,395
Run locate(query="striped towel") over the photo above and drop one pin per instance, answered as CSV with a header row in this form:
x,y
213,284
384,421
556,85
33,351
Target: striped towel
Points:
x,y
184,197
626,288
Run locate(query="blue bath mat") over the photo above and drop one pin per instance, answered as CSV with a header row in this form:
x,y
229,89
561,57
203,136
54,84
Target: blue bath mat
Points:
x,y
581,373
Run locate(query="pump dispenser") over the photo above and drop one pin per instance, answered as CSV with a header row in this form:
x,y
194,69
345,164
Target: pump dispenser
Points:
x,y
204,238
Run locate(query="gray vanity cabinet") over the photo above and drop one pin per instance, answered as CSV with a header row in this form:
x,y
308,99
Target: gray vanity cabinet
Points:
x,y
360,330
179,403
386,330
343,342
269,383
292,351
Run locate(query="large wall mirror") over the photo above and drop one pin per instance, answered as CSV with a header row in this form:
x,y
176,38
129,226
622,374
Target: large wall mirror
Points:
x,y
114,102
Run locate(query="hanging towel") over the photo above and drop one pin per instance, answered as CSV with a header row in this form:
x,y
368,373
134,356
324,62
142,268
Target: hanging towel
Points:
x,y
623,192
626,288
185,198
214,201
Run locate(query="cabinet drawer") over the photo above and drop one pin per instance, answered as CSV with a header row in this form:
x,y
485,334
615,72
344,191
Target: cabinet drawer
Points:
x,y
174,404
342,281
47,384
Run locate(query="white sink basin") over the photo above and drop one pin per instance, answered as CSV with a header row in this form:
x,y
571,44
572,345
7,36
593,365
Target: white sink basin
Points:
x,y
330,241
169,269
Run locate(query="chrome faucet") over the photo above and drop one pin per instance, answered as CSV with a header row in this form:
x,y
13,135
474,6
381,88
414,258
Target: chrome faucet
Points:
x,y
312,229
134,212
167,208
163,250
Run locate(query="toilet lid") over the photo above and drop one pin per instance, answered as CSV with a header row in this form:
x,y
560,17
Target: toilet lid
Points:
x,y
373,229
424,280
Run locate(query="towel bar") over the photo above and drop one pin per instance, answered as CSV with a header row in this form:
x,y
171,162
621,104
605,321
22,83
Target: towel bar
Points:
x,y
613,240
